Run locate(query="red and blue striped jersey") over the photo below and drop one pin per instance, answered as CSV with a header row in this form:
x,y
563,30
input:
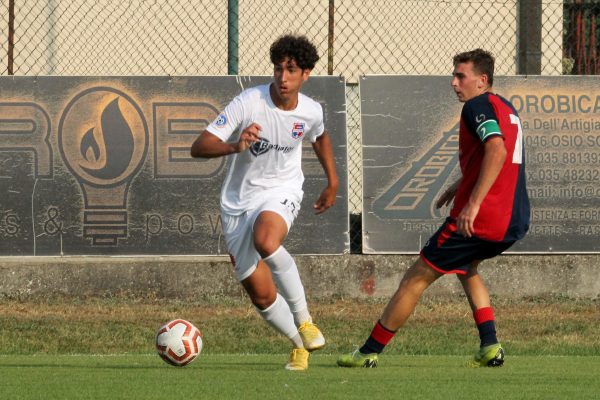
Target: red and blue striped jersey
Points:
x,y
504,213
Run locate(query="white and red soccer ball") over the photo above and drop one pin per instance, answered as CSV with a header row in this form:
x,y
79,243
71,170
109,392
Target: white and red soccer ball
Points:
x,y
178,342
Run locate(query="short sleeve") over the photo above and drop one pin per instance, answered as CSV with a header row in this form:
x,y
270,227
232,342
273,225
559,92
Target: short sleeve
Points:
x,y
479,116
318,126
230,119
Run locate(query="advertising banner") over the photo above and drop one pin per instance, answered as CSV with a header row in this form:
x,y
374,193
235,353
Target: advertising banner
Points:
x,y
410,156
102,166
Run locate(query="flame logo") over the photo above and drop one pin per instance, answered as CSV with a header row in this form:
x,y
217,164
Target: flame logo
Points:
x,y
103,137
118,144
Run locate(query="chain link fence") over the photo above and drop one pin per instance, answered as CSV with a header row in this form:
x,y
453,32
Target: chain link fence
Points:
x,y
110,37
190,37
582,37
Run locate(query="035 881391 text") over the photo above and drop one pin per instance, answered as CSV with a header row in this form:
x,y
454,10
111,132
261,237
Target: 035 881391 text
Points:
x,y
564,157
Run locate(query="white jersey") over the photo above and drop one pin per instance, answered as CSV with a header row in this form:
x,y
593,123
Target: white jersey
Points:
x,y
272,165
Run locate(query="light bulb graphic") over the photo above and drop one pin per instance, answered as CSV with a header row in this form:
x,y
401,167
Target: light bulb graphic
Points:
x,y
103,140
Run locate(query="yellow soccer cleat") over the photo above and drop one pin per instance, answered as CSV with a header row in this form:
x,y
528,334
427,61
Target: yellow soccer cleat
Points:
x,y
488,356
356,359
311,336
298,360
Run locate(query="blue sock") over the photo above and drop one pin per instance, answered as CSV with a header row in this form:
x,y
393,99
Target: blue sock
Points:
x,y
487,333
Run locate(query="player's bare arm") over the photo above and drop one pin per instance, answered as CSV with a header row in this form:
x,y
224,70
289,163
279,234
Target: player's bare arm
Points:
x,y
210,146
493,160
446,198
324,151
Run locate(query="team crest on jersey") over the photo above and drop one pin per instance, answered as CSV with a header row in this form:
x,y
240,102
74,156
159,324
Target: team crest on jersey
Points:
x,y
221,120
298,130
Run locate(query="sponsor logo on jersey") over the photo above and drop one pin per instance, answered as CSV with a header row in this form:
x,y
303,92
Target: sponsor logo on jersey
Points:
x,y
260,147
298,130
221,120
263,145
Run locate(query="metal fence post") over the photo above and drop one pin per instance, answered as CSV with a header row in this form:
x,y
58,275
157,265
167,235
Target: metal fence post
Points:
x,y
530,37
11,36
330,37
232,37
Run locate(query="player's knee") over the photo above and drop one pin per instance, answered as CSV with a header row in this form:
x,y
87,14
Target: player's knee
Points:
x,y
418,277
266,245
263,301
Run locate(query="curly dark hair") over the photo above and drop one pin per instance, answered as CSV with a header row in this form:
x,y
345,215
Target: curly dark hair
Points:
x,y
483,62
298,48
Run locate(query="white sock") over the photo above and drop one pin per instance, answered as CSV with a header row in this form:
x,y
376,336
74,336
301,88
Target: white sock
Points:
x,y
286,276
278,315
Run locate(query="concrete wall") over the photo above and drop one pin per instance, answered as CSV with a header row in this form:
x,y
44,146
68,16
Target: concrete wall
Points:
x,y
325,277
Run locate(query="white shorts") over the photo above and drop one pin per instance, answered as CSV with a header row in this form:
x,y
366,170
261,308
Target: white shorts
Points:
x,y
239,231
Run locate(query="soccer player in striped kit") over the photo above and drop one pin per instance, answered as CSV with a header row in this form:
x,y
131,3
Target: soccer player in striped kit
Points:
x,y
490,213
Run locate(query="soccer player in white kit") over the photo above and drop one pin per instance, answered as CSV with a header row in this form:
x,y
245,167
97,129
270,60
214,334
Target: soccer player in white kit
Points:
x,y
263,128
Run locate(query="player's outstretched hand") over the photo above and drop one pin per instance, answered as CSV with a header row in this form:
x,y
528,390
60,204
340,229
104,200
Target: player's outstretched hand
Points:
x,y
326,200
248,137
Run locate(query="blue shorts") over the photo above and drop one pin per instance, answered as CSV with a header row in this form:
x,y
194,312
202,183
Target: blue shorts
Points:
x,y
448,252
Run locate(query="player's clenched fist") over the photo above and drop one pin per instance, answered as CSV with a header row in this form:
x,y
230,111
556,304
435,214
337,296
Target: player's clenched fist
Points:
x,y
248,137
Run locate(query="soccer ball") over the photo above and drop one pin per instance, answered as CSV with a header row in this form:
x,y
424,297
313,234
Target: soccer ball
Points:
x,y
178,342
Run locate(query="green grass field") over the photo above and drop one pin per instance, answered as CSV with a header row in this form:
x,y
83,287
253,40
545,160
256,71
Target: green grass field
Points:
x,y
262,377
104,349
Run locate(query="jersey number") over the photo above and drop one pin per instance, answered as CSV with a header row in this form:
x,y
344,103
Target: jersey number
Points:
x,y
517,157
